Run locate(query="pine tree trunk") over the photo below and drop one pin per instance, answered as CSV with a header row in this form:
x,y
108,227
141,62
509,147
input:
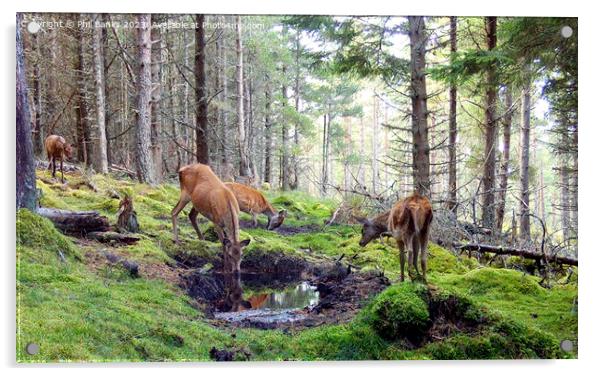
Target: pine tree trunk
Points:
x,y
106,64
295,158
202,147
244,166
157,92
100,161
325,151
525,220
452,202
505,164
225,101
420,152
38,134
144,159
488,213
82,129
268,136
362,167
285,162
375,145
26,177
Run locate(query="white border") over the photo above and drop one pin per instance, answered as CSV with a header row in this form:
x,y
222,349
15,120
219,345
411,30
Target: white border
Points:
x,y
590,172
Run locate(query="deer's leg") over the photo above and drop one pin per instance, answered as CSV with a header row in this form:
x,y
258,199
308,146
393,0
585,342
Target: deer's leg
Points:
x,y
193,216
227,258
402,257
254,219
416,248
53,167
62,172
184,200
424,239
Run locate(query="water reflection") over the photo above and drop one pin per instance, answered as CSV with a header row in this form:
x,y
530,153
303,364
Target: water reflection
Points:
x,y
295,297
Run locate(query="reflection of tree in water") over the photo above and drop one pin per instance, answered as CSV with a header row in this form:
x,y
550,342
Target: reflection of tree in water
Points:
x,y
300,296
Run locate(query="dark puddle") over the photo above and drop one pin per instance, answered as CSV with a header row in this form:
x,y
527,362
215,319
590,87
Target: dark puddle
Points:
x,y
284,229
280,291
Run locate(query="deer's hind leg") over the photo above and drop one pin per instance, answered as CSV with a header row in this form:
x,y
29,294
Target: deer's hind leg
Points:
x,y
415,252
424,240
193,220
402,258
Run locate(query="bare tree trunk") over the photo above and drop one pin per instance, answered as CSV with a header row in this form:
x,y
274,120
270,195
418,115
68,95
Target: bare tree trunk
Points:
x,y
157,92
348,152
488,213
202,147
225,100
295,159
26,177
100,160
421,151
375,145
452,202
106,64
525,228
244,166
362,167
38,134
82,129
285,165
144,160
268,136
505,165
325,152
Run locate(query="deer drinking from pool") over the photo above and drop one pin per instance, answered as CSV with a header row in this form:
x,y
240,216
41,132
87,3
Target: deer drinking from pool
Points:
x,y
57,148
214,200
408,222
251,201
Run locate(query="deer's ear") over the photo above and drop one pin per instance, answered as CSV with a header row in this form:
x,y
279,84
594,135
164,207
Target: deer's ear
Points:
x,y
245,242
226,242
282,213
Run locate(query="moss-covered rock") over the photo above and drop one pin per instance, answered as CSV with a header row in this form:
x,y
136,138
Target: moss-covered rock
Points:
x,y
35,231
401,312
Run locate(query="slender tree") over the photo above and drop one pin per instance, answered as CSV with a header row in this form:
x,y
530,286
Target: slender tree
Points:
x,y
26,177
100,160
244,165
488,213
202,145
525,219
453,131
420,151
505,163
156,94
144,160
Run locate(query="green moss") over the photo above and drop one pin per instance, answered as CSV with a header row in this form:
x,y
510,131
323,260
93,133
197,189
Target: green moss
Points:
x,y
401,311
34,231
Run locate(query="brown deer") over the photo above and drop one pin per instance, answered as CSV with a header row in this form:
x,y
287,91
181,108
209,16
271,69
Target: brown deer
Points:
x,y
216,202
408,222
57,148
251,201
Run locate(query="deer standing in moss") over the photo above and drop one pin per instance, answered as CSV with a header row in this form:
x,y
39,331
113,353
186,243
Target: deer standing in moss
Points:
x,y
408,222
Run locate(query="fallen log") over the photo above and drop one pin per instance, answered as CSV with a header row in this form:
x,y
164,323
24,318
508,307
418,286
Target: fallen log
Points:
x,y
111,236
76,222
498,250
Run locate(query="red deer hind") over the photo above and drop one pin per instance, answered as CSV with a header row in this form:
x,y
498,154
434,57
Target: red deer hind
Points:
x,y
57,148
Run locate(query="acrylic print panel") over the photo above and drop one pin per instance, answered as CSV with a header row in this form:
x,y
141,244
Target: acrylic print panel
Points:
x,y
252,188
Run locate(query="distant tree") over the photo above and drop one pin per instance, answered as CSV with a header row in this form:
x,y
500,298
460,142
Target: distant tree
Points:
x,y
202,147
100,160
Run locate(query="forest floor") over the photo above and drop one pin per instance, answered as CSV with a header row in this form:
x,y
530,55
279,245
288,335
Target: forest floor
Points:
x,y
79,305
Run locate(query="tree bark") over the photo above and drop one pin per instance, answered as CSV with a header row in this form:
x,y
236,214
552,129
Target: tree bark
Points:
x,y
267,177
144,159
225,110
420,151
38,134
202,147
100,161
485,248
525,228
26,177
156,94
488,213
505,164
375,145
452,202
84,152
285,165
244,166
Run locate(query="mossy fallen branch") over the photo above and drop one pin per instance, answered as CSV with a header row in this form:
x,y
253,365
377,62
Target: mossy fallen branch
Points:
x,y
485,248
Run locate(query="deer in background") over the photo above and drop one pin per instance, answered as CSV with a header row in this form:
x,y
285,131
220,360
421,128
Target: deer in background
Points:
x,y
251,201
211,198
57,148
408,222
